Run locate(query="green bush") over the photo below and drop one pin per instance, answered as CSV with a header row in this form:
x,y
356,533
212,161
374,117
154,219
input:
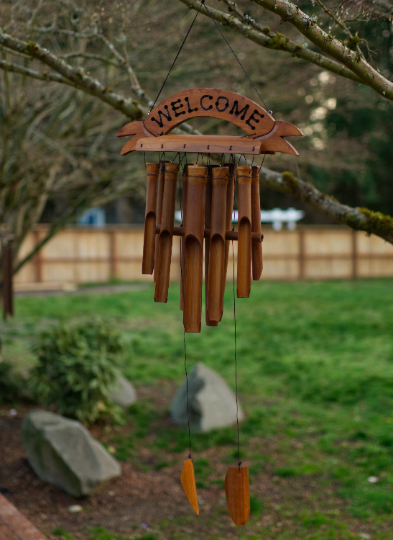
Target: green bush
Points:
x,y
77,366
11,383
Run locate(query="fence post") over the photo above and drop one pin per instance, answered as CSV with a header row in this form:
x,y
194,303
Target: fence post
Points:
x,y
354,255
38,259
302,253
8,292
4,254
112,255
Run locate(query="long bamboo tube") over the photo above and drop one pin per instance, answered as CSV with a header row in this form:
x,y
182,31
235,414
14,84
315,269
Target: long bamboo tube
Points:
x,y
215,278
182,240
208,212
256,249
160,196
229,211
194,232
150,219
244,232
166,233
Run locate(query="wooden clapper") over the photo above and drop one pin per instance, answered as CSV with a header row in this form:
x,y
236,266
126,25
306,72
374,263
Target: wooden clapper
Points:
x,y
207,206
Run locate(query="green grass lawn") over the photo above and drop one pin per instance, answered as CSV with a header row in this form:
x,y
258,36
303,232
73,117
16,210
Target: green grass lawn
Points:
x,y
315,365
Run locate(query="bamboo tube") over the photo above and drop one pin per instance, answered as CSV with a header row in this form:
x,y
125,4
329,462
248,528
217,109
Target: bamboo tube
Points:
x,y
182,241
256,249
194,232
208,212
150,219
229,211
215,278
244,232
160,195
166,233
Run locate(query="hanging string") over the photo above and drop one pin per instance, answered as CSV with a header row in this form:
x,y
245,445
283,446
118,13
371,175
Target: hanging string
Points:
x,y
226,41
234,320
176,57
184,330
234,54
185,369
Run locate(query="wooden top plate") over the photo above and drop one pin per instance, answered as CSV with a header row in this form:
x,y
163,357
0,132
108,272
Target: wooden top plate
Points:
x,y
199,143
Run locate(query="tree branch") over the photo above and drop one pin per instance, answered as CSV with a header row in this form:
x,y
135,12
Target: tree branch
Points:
x,y
360,219
349,64
76,76
92,57
352,60
274,41
45,76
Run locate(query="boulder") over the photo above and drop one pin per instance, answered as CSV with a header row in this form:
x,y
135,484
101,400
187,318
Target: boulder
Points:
x,y
123,393
211,402
62,452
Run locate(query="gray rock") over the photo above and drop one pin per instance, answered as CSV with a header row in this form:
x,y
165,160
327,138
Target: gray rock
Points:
x,y
62,452
211,402
123,393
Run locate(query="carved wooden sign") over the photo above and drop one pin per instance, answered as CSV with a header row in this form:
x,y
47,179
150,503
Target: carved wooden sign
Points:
x,y
263,133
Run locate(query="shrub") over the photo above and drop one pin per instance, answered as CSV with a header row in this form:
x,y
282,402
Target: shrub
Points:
x,y
11,383
77,366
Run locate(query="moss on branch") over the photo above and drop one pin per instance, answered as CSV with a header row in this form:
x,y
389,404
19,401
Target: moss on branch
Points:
x,y
377,221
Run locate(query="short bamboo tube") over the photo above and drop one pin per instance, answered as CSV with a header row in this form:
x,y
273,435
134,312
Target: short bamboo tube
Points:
x,y
149,236
208,211
256,249
194,233
160,196
182,240
244,232
165,238
216,272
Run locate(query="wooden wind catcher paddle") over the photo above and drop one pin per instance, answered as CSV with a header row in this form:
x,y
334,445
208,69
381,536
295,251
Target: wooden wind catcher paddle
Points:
x,y
207,196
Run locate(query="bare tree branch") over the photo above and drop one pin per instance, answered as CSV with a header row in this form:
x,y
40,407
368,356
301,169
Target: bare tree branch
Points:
x,y
352,60
77,76
349,63
44,76
274,41
92,57
360,219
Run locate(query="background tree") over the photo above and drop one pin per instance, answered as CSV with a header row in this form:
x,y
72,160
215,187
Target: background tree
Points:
x,y
69,79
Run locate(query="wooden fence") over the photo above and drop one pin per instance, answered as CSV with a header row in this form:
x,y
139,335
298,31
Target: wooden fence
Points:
x,y
80,255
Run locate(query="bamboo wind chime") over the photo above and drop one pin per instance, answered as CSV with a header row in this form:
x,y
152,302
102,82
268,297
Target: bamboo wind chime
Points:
x,y
207,207
207,201
207,197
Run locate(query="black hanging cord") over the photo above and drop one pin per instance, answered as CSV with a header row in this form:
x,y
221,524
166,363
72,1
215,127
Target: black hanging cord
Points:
x,y
226,41
176,57
234,320
185,369
234,54
184,331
